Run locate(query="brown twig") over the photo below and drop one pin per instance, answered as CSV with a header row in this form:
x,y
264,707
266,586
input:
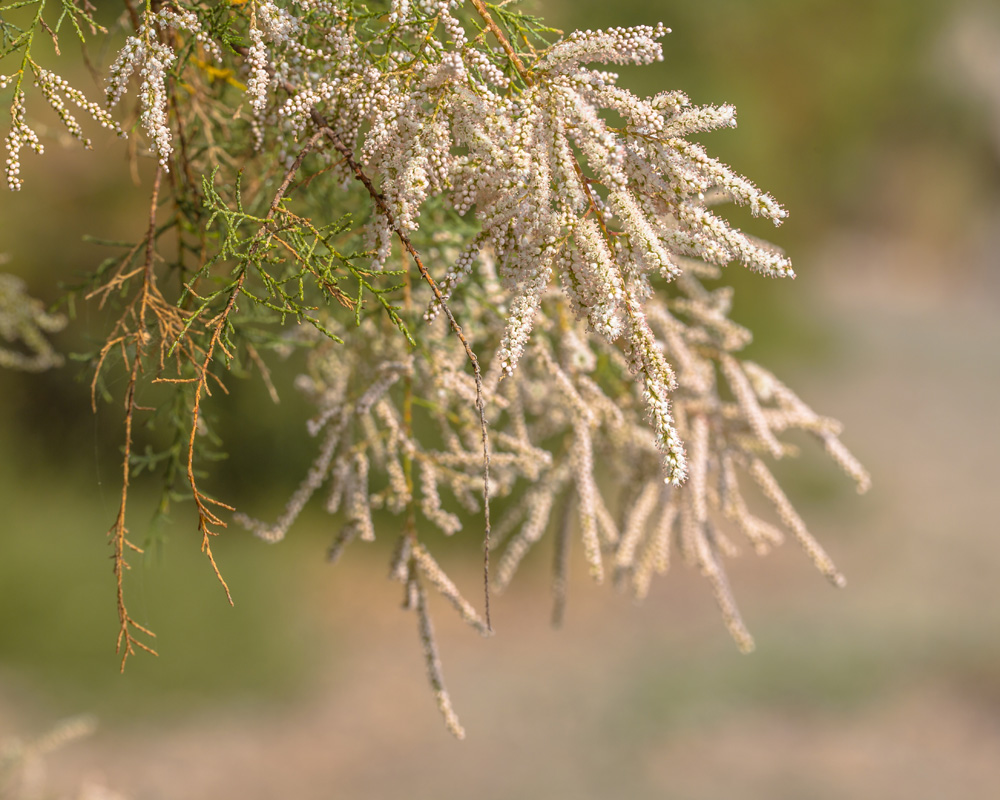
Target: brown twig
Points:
x,y
132,330
515,59
118,532
207,518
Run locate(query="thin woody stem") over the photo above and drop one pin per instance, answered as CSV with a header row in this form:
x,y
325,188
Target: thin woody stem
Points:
x,y
207,517
119,532
508,48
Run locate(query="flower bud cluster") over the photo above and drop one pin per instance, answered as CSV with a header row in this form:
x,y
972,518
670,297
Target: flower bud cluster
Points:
x,y
53,86
638,45
55,89
20,136
567,408
148,55
188,21
260,78
153,60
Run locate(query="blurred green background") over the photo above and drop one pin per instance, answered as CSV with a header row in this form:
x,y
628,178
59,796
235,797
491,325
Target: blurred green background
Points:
x,y
877,124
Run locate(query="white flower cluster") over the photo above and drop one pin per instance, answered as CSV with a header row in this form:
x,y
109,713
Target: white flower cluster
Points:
x,y
20,135
440,123
260,78
153,59
53,86
188,21
638,45
596,241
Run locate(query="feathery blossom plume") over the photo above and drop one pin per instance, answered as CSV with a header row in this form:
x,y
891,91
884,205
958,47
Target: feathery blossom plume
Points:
x,y
19,136
572,255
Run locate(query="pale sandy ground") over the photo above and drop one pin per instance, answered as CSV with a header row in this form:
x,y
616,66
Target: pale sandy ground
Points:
x,y
890,689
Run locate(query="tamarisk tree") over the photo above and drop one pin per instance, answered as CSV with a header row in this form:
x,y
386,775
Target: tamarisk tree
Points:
x,y
504,265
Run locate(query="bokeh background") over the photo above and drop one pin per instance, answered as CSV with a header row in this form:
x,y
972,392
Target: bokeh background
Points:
x,y
877,124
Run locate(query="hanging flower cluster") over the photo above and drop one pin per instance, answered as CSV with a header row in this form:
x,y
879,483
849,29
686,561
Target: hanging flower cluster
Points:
x,y
592,244
563,231
560,195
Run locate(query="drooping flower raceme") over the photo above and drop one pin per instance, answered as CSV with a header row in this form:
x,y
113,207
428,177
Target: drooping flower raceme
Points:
x,y
153,58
